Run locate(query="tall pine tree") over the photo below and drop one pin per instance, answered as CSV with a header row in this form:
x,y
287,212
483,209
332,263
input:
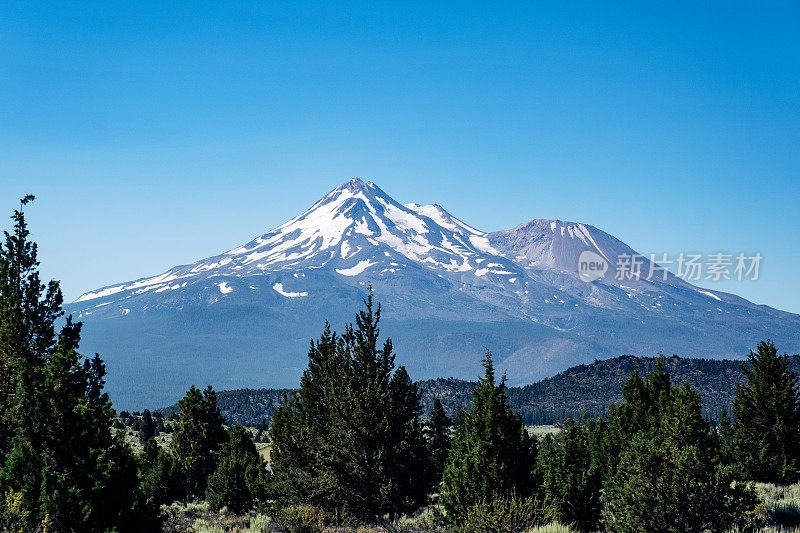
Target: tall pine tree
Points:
x,y
60,462
492,455
350,441
439,441
766,433
406,480
198,434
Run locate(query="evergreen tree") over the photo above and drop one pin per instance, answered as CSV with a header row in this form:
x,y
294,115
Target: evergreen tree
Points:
x,y
492,455
159,422
727,439
767,412
60,462
350,440
196,439
303,431
405,485
663,465
240,479
459,419
160,478
439,441
147,429
572,476
261,428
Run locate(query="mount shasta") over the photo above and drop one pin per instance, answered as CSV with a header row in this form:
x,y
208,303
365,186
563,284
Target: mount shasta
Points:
x,y
244,318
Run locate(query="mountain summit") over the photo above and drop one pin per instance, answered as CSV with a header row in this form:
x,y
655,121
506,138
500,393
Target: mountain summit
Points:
x,y
243,318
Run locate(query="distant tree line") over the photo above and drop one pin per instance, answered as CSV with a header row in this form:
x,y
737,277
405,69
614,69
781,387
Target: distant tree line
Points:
x,y
583,389
246,407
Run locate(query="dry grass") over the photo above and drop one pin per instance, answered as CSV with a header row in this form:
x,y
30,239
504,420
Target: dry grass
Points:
x,y
264,450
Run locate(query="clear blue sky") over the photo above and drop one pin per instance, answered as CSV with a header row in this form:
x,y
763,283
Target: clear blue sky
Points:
x,y
164,132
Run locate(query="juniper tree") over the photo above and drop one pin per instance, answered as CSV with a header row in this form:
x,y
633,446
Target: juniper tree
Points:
x,y
727,440
160,478
60,462
159,422
304,453
240,480
572,475
406,482
439,441
350,440
147,427
197,437
492,455
766,433
459,417
261,427
663,468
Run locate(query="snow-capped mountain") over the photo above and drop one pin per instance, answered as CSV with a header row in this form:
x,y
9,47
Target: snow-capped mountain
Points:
x,y
244,317
355,229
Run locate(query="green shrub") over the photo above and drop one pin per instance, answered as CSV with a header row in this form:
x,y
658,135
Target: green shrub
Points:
x,y
502,513
553,527
239,480
573,476
429,520
202,525
663,464
12,512
176,521
781,503
260,523
302,518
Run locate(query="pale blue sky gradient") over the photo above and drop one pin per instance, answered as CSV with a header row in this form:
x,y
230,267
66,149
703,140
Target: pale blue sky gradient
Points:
x,y
161,133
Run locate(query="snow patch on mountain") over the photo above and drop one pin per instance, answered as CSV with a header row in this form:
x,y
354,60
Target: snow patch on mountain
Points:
x,y
436,213
709,293
278,287
100,294
359,267
224,288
